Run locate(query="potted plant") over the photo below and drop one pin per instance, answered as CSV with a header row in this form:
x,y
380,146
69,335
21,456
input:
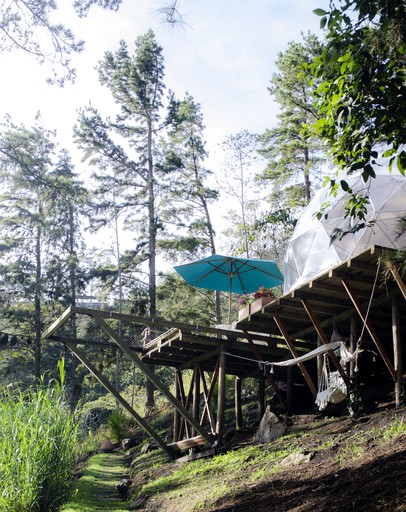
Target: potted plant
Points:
x,y
249,304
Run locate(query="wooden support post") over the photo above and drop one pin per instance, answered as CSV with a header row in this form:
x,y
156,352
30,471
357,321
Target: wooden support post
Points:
x,y
261,398
323,337
320,362
186,401
208,393
196,396
353,343
294,353
153,378
289,384
397,351
269,377
104,382
369,327
221,398
238,405
176,415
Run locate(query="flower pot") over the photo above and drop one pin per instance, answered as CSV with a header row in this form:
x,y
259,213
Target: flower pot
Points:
x,y
259,303
244,312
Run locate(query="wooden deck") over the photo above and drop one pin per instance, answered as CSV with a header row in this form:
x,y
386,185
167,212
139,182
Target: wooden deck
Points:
x,y
360,299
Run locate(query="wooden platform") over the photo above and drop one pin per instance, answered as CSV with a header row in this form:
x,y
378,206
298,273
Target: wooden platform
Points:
x,y
361,300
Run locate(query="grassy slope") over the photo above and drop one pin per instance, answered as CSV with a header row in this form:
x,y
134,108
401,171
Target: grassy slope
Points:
x,y
260,478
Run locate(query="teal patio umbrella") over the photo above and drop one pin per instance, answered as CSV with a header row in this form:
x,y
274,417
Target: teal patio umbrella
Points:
x,y
231,274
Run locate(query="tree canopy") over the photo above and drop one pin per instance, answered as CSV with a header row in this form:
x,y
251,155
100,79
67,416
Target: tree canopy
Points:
x,y
361,97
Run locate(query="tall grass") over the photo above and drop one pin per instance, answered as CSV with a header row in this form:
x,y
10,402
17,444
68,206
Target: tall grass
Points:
x,y
38,437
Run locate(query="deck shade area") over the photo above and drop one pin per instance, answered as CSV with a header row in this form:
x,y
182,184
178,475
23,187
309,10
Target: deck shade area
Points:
x,y
363,300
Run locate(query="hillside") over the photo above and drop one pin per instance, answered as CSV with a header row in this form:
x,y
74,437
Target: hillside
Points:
x,y
321,464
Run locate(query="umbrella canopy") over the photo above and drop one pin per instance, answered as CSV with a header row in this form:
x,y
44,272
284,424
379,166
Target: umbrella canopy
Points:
x,y
231,274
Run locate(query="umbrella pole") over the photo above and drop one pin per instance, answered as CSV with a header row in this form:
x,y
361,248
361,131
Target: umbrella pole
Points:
x,y
229,299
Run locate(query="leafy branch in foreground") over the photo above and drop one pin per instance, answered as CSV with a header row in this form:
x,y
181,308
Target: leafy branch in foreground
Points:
x,y
361,97
26,25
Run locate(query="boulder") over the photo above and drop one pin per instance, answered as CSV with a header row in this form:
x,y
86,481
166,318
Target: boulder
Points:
x,y
107,446
270,428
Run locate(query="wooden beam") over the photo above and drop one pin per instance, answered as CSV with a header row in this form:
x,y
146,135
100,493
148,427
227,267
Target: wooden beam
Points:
x,y
176,415
323,338
196,395
104,382
238,407
200,359
369,327
294,352
221,397
154,379
188,443
269,377
58,323
398,278
397,351
336,319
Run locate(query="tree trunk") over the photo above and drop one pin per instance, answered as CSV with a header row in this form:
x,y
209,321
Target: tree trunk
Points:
x,y
37,307
150,402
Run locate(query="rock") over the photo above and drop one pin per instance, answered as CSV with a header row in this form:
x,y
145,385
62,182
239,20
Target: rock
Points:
x,y
124,485
148,448
270,428
296,458
107,446
128,443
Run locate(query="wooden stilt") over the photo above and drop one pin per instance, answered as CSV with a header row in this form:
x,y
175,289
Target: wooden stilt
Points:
x,y
176,415
289,396
320,363
104,382
196,396
353,343
238,404
221,399
397,351
261,398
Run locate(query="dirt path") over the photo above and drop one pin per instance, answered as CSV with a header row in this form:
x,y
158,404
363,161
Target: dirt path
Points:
x,y
96,486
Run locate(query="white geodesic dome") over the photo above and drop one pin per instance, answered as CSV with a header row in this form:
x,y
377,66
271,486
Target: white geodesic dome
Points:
x,y
310,253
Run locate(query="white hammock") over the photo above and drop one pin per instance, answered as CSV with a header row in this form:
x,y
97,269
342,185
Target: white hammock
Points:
x,y
332,388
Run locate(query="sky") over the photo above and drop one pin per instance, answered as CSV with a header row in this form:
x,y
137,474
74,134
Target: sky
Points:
x,y
224,56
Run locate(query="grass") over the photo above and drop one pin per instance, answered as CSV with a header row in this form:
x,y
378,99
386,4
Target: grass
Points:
x,y
38,437
204,481
95,489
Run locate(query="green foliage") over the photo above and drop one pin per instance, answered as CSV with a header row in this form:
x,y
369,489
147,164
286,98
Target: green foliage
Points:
x,y
180,302
38,436
117,424
361,98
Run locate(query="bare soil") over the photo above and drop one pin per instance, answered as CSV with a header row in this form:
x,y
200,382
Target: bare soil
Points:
x,y
373,479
